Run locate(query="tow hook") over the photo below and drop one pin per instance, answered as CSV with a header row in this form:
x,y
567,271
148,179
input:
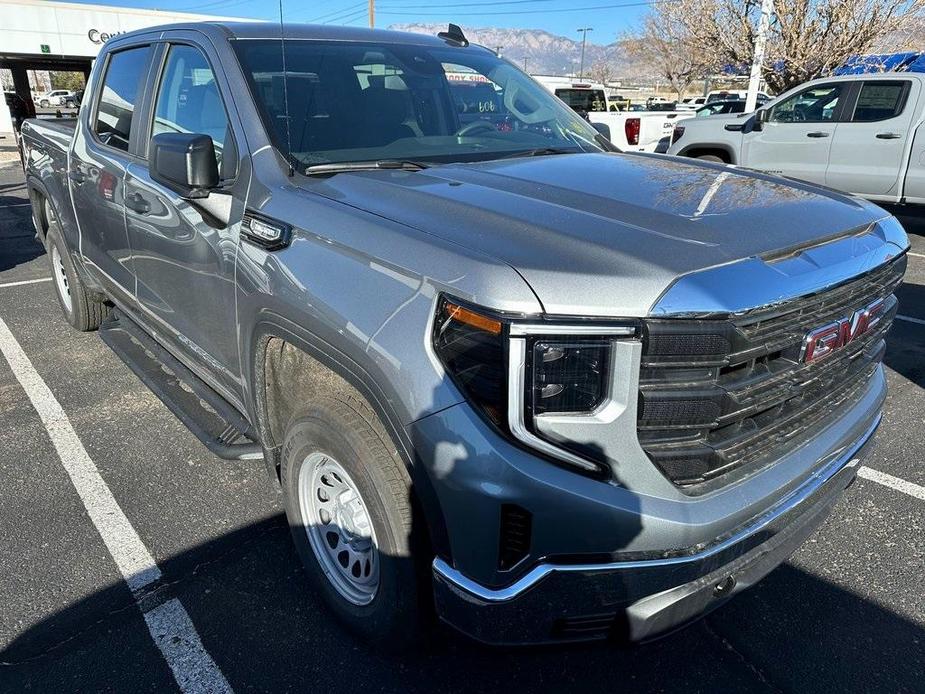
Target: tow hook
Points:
x,y
724,587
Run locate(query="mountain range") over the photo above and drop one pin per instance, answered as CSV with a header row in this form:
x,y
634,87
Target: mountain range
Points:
x,y
546,53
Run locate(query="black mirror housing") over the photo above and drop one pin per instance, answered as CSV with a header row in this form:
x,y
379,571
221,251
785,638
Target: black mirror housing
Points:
x,y
185,163
602,128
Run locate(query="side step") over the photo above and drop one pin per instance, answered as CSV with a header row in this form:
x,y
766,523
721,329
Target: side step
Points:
x,y
219,426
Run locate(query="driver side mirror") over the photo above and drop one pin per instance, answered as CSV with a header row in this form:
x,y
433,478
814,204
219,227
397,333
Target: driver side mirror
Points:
x,y
185,163
602,128
761,117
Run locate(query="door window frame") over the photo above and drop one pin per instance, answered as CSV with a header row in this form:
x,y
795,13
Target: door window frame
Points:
x,y
140,102
856,97
837,115
158,74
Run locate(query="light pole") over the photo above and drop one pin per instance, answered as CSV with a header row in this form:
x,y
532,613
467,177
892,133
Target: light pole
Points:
x,y
525,63
754,80
584,37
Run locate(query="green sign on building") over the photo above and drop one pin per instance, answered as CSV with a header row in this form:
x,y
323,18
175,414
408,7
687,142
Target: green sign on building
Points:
x,y
46,48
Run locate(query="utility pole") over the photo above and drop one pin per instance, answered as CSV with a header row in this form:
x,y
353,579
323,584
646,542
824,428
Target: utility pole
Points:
x,y
372,14
584,36
525,63
754,79
498,50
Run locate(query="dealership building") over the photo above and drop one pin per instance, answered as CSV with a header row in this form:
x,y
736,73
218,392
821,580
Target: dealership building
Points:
x,y
44,35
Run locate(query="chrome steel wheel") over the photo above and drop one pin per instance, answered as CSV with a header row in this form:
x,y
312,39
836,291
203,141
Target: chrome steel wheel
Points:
x,y
339,528
61,284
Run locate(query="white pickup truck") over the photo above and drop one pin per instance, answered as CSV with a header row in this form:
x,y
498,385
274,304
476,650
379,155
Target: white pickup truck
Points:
x,y
858,133
631,131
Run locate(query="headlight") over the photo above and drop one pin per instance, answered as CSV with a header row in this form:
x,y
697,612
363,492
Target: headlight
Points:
x,y
568,376
471,346
518,373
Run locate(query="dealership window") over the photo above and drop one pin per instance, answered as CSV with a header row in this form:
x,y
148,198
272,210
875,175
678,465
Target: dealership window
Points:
x,y
188,100
880,101
124,75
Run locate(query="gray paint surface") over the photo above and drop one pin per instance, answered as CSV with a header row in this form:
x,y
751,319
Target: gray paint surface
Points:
x,y
581,235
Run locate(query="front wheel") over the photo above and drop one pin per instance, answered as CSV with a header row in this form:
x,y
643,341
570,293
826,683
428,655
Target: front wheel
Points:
x,y
347,495
711,157
44,103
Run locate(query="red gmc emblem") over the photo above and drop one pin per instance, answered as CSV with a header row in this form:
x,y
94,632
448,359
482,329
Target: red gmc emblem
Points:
x,y
821,342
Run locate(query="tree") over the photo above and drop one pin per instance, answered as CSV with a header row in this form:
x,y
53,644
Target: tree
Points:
x,y
601,71
807,39
667,45
72,81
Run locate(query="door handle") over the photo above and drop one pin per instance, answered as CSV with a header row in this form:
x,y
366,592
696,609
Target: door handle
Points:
x,y
817,133
137,203
888,136
76,176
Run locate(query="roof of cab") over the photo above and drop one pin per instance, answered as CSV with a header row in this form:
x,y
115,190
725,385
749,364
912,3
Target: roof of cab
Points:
x,y
271,30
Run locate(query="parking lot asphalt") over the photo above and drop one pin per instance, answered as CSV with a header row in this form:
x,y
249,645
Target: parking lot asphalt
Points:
x,y
846,613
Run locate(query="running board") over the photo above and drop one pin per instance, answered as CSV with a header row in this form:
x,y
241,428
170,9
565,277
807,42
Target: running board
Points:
x,y
216,423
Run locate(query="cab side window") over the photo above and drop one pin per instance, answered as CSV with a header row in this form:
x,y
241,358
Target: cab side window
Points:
x,y
125,73
880,100
188,101
814,105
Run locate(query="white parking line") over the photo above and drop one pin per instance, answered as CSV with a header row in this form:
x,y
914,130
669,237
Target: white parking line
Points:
x,y
917,255
22,282
910,319
900,485
169,624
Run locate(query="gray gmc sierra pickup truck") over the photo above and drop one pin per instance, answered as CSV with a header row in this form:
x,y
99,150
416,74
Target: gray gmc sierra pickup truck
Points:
x,y
499,371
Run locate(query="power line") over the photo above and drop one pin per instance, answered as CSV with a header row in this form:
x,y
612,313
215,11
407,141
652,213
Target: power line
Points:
x,y
470,4
327,15
353,16
437,9
216,5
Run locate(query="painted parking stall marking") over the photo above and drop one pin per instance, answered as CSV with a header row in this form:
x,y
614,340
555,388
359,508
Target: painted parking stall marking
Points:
x,y
168,623
20,283
900,485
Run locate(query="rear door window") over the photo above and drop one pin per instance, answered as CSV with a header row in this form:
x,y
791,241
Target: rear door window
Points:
x,y
880,100
125,74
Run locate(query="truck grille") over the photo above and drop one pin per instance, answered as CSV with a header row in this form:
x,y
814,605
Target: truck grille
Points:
x,y
730,393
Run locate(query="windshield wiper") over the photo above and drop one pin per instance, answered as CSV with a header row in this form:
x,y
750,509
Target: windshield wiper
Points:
x,y
345,166
541,152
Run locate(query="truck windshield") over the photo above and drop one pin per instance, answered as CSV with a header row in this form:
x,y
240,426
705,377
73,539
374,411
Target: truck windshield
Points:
x,y
356,102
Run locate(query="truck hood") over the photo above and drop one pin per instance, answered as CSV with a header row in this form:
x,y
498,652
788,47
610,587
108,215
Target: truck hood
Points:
x,y
604,234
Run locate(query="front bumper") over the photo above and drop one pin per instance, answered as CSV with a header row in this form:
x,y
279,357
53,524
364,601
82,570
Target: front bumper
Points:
x,y
640,600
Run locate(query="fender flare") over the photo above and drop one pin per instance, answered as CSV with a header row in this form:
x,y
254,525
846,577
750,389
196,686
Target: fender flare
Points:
x,y
709,145
273,325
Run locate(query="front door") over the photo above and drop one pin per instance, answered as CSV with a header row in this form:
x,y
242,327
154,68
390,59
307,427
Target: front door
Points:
x,y
796,138
868,151
185,258
97,171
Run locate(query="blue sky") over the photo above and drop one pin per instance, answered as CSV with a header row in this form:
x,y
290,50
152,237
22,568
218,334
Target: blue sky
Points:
x,y
561,17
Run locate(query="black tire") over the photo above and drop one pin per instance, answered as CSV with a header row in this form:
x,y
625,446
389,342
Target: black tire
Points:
x,y
84,311
712,157
44,103
344,428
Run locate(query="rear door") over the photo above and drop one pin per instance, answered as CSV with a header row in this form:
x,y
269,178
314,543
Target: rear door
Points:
x,y
101,154
185,258
796,139
869,149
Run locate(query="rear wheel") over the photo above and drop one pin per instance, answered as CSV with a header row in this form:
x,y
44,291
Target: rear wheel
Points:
x,y
348,501
81,309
